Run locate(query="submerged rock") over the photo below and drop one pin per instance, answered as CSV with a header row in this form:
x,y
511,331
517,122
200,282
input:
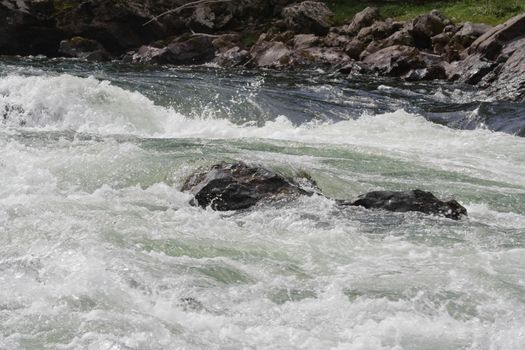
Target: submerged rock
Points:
x,y
406,201
234,186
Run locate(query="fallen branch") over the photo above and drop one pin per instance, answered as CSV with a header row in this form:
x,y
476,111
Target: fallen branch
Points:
x,y
185,6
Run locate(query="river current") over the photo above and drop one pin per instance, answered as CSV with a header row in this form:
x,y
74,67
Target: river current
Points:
x,y
99,248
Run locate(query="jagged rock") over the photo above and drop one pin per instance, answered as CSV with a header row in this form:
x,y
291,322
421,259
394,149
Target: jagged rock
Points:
x,y
270,54
361,20
308,17
508,81
498,36
395,60
416,200
234,186
185,50
469,32
232,58
83,48
426,26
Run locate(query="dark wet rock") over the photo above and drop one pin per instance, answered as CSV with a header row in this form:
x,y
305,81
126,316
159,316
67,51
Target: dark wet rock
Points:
x,y
308,17
395,60
233,57
426,26
361,20
83,48
234,186
472,70
407,201
508,80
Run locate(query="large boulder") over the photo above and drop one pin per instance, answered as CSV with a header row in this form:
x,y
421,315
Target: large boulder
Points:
x,y
308,17
416,200
498,36
234,186
426,26
395,60
361,20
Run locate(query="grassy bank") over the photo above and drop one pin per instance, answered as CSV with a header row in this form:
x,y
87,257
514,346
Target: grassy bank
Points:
x,y
481,11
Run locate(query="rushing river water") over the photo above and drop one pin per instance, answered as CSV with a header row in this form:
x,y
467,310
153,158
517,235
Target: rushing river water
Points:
x,y
99,249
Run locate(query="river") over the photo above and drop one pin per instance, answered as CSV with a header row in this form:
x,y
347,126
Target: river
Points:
x,y
99,248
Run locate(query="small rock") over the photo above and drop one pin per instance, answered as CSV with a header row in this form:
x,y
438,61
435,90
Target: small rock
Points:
x,y
416,200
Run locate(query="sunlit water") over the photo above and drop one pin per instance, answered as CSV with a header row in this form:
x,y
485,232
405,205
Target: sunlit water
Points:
x,y
99,249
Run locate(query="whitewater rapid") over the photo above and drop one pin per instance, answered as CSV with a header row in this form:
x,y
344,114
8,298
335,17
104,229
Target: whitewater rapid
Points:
x,y
100,250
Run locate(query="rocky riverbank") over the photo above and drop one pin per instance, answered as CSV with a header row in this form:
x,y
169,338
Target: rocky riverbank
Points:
x,y
276,34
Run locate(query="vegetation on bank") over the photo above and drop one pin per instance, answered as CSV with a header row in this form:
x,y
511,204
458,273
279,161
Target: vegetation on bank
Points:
x,y
479,11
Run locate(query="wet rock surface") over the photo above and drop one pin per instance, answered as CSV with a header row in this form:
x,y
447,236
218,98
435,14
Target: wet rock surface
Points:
x,y
416,200
235,186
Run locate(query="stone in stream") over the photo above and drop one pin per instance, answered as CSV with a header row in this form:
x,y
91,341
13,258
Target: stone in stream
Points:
x,y
234,186
406,201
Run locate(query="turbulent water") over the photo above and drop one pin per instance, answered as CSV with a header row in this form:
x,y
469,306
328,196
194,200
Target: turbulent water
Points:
x,y
99,249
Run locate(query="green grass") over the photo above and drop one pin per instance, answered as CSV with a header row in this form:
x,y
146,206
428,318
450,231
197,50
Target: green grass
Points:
x,y
479,11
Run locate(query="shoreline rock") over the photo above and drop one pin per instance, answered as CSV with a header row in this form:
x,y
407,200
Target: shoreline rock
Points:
x,y
286,34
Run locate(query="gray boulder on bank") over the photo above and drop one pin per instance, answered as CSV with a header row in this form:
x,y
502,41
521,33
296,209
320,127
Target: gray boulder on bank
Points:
x,y
308,17
235,186
496,61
